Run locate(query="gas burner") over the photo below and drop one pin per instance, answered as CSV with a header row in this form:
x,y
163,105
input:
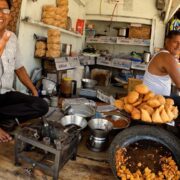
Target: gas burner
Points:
x,y
50,138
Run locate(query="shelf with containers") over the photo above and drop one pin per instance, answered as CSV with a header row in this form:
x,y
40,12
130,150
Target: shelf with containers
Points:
x,y
118,36
106,35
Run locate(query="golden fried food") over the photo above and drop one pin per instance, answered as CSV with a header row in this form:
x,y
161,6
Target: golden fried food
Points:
x,y
170,114
169,101
132,97
145,116
156,118
136,114
119,104
148,96
161,99
148,108
161,108
141,89
137,102
165,118
175,111
128,108
125,100
153,103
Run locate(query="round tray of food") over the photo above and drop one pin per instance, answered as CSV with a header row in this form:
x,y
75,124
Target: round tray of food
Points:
x,y
143,105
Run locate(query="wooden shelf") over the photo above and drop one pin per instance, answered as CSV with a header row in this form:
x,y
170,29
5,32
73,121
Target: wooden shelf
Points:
x,y
38,23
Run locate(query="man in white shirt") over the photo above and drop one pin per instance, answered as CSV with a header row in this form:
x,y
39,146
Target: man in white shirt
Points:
x,y
14,104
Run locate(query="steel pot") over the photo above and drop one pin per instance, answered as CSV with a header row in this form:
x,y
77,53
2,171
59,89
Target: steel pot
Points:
x,y
88,83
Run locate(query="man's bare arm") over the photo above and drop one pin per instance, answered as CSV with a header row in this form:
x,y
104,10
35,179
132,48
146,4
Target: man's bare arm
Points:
x,y
3,41
24,78
171,66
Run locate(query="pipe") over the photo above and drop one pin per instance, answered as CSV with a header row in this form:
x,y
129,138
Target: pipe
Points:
x,y
168,10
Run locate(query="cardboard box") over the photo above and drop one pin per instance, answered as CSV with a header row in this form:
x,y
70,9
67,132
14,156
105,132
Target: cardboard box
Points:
x,y
143,32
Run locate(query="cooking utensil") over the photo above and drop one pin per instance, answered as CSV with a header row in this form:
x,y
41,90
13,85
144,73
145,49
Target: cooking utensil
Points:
x,y
88,83
100,125
98,139
82,110
74,120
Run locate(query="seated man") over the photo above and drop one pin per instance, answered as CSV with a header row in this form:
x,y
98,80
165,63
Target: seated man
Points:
x,y
14,104
163,67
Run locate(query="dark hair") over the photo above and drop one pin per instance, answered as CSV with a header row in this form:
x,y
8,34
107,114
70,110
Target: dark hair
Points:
x,y
173,33
9,3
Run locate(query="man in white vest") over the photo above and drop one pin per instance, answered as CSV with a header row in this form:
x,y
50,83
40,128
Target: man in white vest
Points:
x,y
14,104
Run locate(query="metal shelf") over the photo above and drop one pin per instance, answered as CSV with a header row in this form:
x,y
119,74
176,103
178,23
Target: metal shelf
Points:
x,y
118,41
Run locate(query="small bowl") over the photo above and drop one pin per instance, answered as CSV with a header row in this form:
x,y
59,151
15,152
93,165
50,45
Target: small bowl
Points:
x,y
74,120
115,118
88,83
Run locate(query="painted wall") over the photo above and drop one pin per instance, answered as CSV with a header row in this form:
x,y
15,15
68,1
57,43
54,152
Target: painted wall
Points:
x,y
26,31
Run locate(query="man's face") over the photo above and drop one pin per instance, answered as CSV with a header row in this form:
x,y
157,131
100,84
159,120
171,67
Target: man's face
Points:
x,y
173,45
4,17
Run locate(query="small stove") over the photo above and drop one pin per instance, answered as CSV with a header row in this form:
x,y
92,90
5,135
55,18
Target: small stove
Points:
x,y
48,138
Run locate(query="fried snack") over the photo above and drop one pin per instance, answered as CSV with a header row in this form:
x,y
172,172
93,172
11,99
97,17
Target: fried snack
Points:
x,y
169,101
161,99
53,40
141,89
170,114
40,45
53,54
148,108
125,100
53,32
161,108
156,118
153,103
137,102
132,97
40,53
175,111
136,114
119,104
148,96
128,108
165,118
54,46
145,116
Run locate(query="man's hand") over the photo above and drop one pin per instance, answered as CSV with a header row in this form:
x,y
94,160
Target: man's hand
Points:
x,y
34,92
3,41
24,78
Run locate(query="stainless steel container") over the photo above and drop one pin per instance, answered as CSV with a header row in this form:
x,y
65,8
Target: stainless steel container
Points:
x,y
146,56
98,139
88,83
74,120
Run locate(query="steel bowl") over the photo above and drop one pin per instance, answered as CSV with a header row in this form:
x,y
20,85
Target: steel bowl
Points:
x,y
88,83
73,120
85,111
118,117
100,124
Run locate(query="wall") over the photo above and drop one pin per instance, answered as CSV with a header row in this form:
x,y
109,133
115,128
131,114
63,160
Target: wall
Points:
x,y
136,11
26,31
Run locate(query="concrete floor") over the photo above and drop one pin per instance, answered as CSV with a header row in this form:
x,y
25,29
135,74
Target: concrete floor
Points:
x,y
87,166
